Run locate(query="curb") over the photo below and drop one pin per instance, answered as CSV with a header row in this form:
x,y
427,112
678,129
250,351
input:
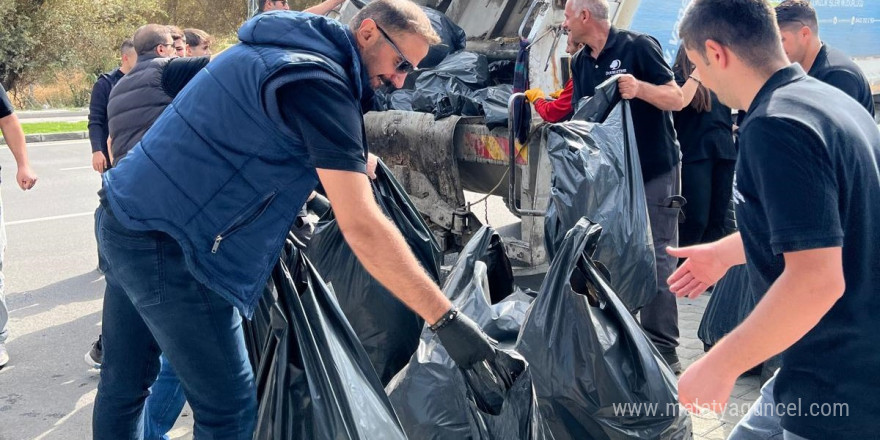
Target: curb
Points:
x,y
51,137
30,114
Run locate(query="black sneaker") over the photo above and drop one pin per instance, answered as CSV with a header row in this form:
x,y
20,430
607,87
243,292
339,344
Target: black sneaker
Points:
x,y
671,358
96,355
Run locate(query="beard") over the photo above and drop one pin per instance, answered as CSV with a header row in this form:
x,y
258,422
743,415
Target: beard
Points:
x,y
381,83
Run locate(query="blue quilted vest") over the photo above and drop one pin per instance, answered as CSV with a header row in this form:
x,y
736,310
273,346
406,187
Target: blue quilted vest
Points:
x,y
219,170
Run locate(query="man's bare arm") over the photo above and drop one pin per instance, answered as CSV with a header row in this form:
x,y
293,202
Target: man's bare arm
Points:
x,y
808,288
379,246
665,97
15,140
324,7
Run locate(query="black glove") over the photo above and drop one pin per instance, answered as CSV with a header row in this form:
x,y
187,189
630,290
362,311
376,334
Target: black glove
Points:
x,y
463,339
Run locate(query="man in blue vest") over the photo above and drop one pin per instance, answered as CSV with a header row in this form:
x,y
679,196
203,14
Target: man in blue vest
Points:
x,y
199,209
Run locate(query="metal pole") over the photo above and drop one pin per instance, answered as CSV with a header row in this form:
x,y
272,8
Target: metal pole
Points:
x,y
517,100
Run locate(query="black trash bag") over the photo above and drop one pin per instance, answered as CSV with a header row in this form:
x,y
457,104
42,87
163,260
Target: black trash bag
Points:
x,y
447,89
452,38
493,103
502,71
731,302
494,400
589,357
401,100
314,380
596,174
388,330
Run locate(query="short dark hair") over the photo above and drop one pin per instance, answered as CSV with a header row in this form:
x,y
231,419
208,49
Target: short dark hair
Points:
x,y
747,27
195,37
797,12
148,36
397,16
126,46
176,33
702,101
262,6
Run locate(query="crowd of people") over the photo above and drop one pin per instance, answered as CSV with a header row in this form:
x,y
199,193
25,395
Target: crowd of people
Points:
x,y
191,222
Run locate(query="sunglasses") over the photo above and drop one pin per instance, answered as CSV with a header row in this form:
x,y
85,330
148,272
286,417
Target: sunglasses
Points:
x,y
404,66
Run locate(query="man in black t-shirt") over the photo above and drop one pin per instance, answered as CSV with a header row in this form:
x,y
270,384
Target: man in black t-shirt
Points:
x,y
799,29
26,179
807,190
646,80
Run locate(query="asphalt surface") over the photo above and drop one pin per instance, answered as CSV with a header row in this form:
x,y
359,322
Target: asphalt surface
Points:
x,y
54,296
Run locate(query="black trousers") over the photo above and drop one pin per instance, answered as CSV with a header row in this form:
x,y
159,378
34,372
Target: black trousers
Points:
x,y
707,185
659,318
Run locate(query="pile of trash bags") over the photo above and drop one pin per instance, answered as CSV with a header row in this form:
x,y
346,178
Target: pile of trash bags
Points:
x,y
571,361
314,380
596,374
452,38
596,174
452,81
437,400
388,330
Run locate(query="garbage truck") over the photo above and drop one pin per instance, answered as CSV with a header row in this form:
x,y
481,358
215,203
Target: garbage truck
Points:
x,y
437,160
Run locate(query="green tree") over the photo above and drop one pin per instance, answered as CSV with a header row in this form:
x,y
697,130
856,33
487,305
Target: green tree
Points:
x,y
18,40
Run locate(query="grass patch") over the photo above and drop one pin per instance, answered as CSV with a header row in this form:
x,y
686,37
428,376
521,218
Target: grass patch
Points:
x,y
54,127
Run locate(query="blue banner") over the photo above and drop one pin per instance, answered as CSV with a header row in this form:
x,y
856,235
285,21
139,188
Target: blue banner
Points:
x,y
852,26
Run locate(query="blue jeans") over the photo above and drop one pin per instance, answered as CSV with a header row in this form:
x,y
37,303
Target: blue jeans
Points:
x,y
761,424
164,404
102,265
153,305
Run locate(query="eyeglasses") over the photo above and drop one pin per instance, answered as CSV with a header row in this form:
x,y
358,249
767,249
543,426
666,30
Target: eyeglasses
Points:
x,y
404,66
165,44
283,2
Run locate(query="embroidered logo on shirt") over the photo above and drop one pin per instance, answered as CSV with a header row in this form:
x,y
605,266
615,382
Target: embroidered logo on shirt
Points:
x,y
614,68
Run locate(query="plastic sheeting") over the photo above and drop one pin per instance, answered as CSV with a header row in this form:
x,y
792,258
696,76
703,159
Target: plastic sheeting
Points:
x,y
493,104
495,400
595,372
596,174
314,380
388,330
446,90
731,302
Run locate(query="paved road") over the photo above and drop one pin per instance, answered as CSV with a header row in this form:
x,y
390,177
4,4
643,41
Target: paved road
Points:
x,y
55,294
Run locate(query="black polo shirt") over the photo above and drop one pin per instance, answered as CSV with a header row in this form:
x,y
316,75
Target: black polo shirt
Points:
x,y
638,55
807,178
5,106
836,68
704,135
